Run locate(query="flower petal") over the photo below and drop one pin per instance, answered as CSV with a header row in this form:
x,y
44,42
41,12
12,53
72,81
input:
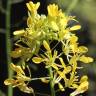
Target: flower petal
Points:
x,y
32,7
82,49
37,60
46,45
81,89
61,87
86,59
9,81
76,27
19,32
25,89
18,69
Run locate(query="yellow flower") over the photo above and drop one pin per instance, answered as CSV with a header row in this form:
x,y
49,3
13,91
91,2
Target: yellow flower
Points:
x,y
82,49
25,89
19,32
44,80
61,87
86,59
46,45
38,60
76,27
33,7
29,22
17,69
20,84
63,21
19,80
54,26
81,88
65,71
53,10
83,78
62,72
73,39
48,58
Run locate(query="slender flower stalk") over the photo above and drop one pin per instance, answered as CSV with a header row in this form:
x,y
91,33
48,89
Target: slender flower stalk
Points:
x,y
51,82
8,44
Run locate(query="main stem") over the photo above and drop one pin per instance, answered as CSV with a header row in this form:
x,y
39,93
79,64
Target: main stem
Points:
x,y
51,82
8,44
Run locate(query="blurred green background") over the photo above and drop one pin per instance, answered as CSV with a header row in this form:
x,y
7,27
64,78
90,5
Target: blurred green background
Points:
x,y
85,12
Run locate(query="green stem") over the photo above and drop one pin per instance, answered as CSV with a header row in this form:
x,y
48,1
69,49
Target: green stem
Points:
x,y
71,6
40,78
51,82
8,44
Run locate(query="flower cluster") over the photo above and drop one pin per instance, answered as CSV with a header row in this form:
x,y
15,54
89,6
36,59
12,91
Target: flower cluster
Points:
x,y
19,80
42,30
